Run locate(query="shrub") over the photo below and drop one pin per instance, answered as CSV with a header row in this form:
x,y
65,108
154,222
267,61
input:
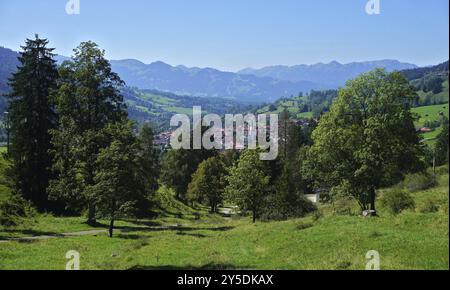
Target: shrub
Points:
x,y
278,208
397,200
441,170
14,208
429,206
344,205
420,181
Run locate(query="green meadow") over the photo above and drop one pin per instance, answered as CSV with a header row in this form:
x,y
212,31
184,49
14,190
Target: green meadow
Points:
x,y
181,237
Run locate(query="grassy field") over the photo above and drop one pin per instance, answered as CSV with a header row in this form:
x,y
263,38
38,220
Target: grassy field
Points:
x,y
291,105
430,114
177,240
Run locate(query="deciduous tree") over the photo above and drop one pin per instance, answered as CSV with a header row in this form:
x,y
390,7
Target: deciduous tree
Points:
x,y
368,139
208,183
248,183
87,100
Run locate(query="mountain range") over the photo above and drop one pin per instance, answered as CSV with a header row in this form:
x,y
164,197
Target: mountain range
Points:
x,y
207,82
333,74
249,85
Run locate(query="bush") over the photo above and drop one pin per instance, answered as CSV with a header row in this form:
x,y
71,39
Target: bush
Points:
x,y
397,200
344,205
13,209
420,181
276,208
429,206
441,170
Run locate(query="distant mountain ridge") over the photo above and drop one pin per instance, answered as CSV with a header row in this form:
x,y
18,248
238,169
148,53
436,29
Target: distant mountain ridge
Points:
x,y
333,74
438,70
249,85
207,82
8,65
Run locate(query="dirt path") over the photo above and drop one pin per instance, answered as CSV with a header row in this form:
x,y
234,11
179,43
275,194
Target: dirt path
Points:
x,y
44,237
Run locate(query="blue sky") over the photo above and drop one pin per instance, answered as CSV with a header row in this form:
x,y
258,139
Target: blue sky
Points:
x,y
234,34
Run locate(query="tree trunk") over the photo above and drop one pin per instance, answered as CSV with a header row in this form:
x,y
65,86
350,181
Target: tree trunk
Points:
x,y
254,216
213,206
111,228
91,214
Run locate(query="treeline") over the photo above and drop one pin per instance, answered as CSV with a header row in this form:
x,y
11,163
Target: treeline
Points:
x,y
72,146
429,80
316,101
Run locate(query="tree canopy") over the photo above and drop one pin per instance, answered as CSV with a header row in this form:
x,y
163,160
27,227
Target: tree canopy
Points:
x,y
368,138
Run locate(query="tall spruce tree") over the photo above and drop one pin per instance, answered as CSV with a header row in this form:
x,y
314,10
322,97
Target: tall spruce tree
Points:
x,y
87,100
31,116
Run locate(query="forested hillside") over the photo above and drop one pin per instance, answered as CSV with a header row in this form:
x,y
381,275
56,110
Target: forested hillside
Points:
x,y
430,83
158,107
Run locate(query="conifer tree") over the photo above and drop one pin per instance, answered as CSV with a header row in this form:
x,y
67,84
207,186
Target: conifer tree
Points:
x,y
31,116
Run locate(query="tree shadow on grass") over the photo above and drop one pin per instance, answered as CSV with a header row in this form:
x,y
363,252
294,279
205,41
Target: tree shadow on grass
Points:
x,y
209,266
130,237
146,223
180,230
129,229
191,235
18,234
